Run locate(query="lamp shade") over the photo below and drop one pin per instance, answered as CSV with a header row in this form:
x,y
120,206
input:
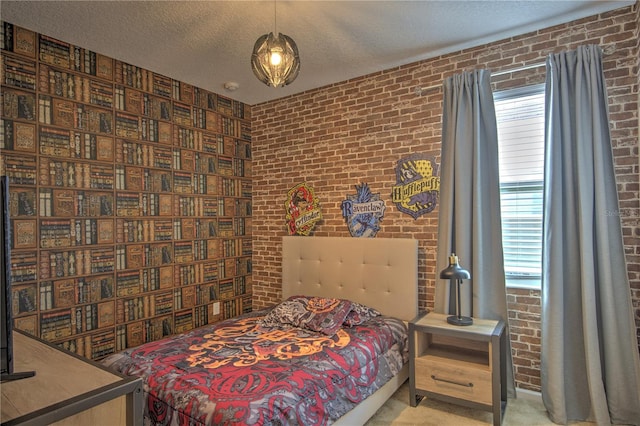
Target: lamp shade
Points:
x,y
454,270
275,60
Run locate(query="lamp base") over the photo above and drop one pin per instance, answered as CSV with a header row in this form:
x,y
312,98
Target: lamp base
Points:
x,y
456,320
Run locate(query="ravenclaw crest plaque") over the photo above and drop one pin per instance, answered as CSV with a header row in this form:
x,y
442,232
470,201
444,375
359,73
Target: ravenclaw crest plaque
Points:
x,y
363,212
303,209
417,185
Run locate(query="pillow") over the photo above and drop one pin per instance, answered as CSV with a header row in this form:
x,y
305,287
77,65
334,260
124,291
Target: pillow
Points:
x,y
360,313
289,312
321,314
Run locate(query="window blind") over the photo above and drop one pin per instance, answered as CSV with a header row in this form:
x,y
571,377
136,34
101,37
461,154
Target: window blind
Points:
x,y
520,121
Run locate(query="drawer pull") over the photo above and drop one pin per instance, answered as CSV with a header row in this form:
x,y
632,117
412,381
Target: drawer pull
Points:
x,y
453,382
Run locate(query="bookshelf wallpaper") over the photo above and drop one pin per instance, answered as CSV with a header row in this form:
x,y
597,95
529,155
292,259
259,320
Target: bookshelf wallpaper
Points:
x,y
130,198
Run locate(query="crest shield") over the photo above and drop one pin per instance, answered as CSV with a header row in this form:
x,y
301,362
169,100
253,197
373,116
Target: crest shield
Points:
x,y
417,185
303,209
363,212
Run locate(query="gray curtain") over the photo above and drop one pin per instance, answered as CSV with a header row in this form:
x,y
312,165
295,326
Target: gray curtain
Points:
x,y
590,368
469,217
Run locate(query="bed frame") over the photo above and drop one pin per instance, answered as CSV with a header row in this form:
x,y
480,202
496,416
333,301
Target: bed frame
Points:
x,y
378,272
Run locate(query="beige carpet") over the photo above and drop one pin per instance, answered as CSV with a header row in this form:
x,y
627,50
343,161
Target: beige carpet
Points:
x,y
527,411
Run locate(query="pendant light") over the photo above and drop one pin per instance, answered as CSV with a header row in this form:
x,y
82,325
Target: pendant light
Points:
x,y
275,60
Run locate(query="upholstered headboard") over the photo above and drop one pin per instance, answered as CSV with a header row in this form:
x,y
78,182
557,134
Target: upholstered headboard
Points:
x,y
378,272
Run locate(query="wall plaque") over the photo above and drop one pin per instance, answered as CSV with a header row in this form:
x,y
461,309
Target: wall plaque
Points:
x,y
363,212
303,209
417,185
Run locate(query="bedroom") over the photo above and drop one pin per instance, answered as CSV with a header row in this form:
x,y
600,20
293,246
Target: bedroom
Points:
x,y
276,165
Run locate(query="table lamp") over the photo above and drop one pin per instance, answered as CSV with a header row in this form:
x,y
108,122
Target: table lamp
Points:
x,y
455,272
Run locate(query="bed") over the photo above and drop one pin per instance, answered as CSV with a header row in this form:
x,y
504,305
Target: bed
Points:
x,y
321,356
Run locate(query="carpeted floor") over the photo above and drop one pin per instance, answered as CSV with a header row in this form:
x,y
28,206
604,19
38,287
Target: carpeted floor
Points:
x,y
527,410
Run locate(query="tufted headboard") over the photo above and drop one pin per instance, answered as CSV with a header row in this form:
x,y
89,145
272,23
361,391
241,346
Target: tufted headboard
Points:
x,y
378,272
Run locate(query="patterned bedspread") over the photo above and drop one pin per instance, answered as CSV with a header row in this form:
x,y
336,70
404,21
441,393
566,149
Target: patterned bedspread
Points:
x,y
238,372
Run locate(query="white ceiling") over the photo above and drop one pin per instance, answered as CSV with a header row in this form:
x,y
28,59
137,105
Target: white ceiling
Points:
x,y
208,43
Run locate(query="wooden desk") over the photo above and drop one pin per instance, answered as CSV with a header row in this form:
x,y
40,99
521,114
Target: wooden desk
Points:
x,y
66,389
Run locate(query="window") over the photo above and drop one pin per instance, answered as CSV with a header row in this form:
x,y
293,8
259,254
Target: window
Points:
x,y
520,120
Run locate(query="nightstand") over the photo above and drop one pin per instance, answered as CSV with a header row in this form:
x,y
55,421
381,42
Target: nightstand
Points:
x,y
459,364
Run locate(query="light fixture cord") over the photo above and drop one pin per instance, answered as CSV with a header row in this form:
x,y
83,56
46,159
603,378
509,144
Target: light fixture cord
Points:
x,y
275,19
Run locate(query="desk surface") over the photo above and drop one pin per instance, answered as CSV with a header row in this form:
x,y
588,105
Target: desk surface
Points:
x,y
59,377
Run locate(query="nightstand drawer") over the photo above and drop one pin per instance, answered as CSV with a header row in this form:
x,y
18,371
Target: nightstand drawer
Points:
x,y
456,379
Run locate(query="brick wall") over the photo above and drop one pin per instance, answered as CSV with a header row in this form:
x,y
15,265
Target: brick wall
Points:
x,y
341,135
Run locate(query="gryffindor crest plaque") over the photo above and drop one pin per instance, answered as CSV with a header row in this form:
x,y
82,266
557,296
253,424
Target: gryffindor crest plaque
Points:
x,y
303,209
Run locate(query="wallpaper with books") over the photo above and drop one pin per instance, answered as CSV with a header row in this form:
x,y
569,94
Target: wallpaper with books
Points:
x,y
130,197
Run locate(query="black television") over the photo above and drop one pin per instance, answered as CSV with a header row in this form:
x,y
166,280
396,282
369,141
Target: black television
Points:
x,y
6,322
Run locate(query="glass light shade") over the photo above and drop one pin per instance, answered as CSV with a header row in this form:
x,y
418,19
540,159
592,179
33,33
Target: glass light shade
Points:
x,y
275,60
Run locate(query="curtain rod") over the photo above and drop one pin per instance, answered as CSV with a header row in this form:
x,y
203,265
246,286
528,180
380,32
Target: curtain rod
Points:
x,y
421,90
523,68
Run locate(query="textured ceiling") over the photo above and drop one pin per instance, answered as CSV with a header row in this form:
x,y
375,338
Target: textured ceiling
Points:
x,y
208,43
